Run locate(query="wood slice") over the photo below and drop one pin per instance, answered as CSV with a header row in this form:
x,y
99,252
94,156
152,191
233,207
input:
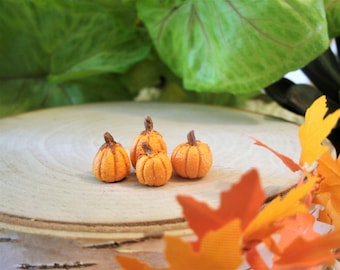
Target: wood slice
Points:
x,y
47,185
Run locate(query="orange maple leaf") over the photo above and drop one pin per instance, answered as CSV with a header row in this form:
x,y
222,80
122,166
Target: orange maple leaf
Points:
x,y
230,233
329,197
265,222
129,263
329,169
330,214
315,129
299,225
291,164
219,249
311,135
242,201
328,192
302,253
297,236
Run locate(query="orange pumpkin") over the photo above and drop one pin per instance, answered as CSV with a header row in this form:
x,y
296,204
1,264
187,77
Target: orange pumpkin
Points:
x,y
192,159
153,168
111,163
149,135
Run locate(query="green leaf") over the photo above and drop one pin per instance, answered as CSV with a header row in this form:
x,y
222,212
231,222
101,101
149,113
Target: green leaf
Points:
x,y
67,40
59,52
147,73
332,8
235,46
104,87
17,96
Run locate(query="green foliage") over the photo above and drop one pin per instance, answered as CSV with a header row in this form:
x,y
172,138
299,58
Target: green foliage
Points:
x,y
332,8
60,52
229,46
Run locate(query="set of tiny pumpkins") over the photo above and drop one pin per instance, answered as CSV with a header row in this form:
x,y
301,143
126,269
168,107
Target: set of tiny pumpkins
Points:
x,y
148,155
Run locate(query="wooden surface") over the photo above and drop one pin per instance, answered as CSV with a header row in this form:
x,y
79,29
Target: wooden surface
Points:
x,y
47,186
32,251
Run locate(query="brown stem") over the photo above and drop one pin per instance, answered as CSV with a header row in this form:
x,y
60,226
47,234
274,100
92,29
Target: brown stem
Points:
x,y
191,138
148,124
147,148
109,139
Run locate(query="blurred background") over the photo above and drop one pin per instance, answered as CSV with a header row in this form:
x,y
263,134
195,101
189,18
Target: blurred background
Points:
x,y
270,58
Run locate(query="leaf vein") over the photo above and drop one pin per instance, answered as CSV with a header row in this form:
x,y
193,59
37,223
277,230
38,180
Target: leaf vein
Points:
x,y
256,28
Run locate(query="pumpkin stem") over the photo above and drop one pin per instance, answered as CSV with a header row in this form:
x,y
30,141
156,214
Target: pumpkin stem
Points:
x,y
109,139
148,124
191,138
147,148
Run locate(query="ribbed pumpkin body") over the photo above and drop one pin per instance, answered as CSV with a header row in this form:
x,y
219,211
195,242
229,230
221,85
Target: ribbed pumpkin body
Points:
x,y
192,160
154,169
111,163
150,136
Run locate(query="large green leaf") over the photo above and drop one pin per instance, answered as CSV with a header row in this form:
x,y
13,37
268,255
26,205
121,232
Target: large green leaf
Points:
x,y
153,72
21,95
66,39
52,51
235,46
332,8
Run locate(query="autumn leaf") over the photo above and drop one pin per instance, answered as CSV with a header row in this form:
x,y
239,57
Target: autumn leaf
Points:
x,y
219,249
129,263
299,225
329,215
302,253
289,229
291,164
302,247
297,235
311,134
265,222
328,192
255,260
234,232
315,129
238,203
334,194
328,197
242,201
329,169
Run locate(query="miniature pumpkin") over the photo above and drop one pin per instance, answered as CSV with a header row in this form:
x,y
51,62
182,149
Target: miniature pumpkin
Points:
x,y
192,159
154,167
111,163
149,135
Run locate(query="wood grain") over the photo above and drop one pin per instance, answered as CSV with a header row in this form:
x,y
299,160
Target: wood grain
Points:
x,y
34,252
47,186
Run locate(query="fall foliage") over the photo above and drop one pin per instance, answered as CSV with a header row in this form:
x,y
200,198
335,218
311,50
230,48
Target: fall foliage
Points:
x,y
245,232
